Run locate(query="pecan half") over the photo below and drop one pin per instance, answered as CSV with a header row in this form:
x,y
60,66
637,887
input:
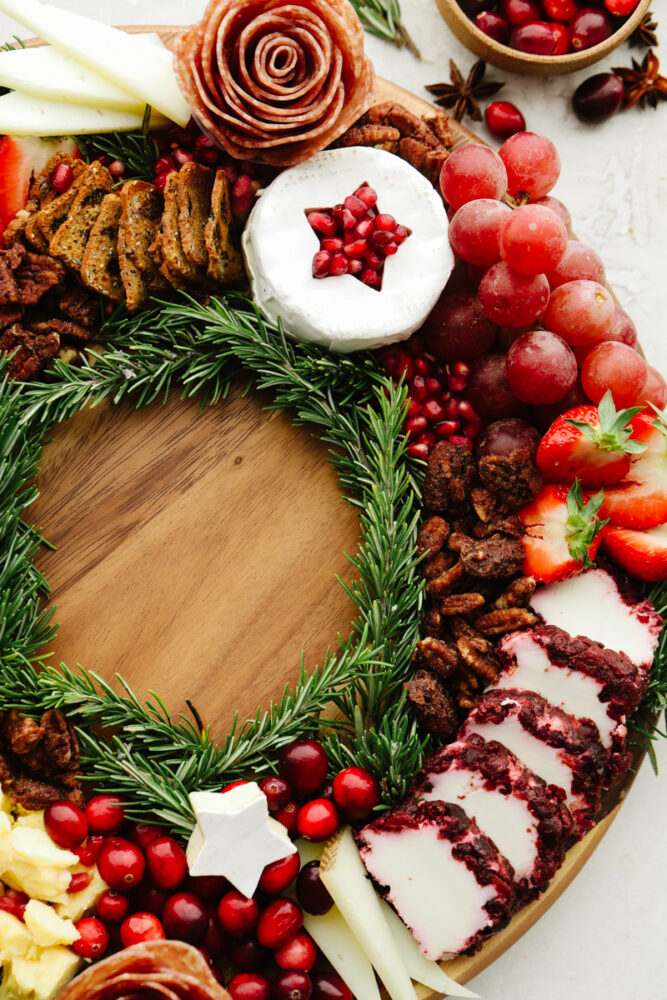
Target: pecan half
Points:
x,y
518,594
433,705
449,477
433,534
435,656
447,581
461,604
497,556
504,620
479,656
371,135
438,564
513,478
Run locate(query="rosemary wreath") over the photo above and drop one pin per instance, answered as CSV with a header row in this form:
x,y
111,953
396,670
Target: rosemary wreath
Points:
x,y
354,699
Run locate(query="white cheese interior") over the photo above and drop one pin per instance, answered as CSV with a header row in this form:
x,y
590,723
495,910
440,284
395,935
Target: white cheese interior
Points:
x,y
574,692
436,895
543,760
589,604
506,820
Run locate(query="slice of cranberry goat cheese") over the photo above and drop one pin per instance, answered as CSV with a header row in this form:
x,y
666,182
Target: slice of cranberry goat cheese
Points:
x,y
342,873
592,604
526,819
564,751
341,312
447,882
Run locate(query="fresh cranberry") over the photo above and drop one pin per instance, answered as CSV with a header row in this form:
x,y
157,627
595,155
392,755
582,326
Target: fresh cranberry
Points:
x,y
166,862
249,986
298,953
62,177
277,876
288,816
621,8
234,784
278,922
116,168
184,918
589,27
143,833
14,902
65,823
248,955
304,765
78,882
535,37
356,791
237,914
292,986
214,941
371,278
242,195
493,25
141,927
328,986
562,46
504,119
113,907
560,10
121,864
206,886
149,899
105,814
518,12
93,938
318,819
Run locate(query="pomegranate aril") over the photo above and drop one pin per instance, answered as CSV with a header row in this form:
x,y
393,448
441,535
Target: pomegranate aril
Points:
x,y
165,164
356,206
390,249
418,388
418,451
242,195
338,265
354,266
343,217
427,439
461,368
364,228
322,223
380,239
401,234
462,440
322,264
161,180
14,902
415,426
370,278
88,851
434,386
373,261
181,157
367,195
433,411
456,383
413,409
385,222
78,882
62,177
356,248
446,428
332,244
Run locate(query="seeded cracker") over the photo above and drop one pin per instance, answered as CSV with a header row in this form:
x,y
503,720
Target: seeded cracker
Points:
x,y
69,242
99,268
225,264
193,196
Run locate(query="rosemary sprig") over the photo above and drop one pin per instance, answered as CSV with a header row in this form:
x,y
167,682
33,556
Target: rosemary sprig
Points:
x,y
136,150
643,723
383,19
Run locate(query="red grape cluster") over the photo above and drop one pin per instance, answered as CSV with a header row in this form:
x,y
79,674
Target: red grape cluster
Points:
x,y
548,27
152,897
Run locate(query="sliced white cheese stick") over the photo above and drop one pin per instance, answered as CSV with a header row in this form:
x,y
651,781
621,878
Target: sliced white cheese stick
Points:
x,y
420,968
574,692
23,115
107,51
343,874
50,75
591,604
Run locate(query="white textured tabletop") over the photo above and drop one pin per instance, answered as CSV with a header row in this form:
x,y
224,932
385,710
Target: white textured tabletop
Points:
x,y
604,939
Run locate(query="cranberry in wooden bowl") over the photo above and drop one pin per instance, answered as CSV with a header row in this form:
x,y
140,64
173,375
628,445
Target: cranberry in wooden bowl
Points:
x,y
593,30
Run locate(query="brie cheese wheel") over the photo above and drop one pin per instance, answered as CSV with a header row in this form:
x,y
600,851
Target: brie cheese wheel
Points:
x,y
341,312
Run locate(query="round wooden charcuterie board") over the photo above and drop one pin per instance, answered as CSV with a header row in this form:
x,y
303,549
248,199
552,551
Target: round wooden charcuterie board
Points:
x,y
201,556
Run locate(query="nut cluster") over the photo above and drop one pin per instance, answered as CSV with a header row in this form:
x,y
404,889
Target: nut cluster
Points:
x,y
476,592
424,142
39,760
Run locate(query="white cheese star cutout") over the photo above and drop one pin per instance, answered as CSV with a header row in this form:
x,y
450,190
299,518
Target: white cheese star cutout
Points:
x,y
235,836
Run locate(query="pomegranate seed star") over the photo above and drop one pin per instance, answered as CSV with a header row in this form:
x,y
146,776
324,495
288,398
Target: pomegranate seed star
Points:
x,y
235,836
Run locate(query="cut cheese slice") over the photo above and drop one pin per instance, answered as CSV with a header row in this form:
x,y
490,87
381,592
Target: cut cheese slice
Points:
x,y
574,692
23,115
343,874
108,52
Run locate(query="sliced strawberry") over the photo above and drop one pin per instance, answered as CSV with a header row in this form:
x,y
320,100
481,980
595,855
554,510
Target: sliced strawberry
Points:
x,y
562,532
593,444
642,553
640,500
20,161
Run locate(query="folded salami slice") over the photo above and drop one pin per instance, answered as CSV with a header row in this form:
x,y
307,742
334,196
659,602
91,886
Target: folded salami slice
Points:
x,y
155,970
275,81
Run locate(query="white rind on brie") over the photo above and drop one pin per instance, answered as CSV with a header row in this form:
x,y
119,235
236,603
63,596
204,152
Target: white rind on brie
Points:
x,y
342,313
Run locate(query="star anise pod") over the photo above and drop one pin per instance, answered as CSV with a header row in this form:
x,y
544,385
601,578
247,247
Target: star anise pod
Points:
x,y
462,96
643,83
646,32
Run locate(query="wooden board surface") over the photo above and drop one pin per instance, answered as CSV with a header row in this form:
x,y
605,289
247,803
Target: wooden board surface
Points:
x,y
196,554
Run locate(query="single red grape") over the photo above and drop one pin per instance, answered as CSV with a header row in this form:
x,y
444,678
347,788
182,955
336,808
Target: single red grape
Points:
x,y
579,262
533,239
502,437
622,328
471,172
475,230
488,389
581,312
532,163
617,367
457,328
512,299
655,390
556,206
541,367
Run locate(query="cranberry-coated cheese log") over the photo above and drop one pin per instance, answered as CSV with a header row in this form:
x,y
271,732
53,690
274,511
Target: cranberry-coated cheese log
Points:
x,y
562,750
597,605
444,878
525,818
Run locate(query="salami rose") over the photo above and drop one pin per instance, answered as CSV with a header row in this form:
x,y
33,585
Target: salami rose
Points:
x,y
155,970
275,81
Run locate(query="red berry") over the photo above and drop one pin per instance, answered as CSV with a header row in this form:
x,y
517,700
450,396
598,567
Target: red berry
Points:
x,y
279,921
288,816
560,10
332,244
356,791
117,168
184,918
249,986
371,277
278,875
160,180
88,851
318,819
166,862
233,784
248,955
589,27
207,886
493,25
113,907
621,8
62,177
105,813
322,223
292,986
237,914
93,940
214,942
121,864
518,12
141,927
297,953
356,206
164,165
304,764
327,986
148,899
143,833
310,890
78,882
65,823
367,195
14,902
322,264
338,265
504,119
181,157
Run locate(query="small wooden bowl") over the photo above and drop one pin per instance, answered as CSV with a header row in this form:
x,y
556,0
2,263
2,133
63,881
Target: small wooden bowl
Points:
x,y
522,62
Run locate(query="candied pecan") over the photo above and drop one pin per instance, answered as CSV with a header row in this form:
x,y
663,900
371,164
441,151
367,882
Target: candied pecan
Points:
x,y
479,656
20,733
497,556
60,742
510,525
438,122
518,594
36,274
513,478
482,530
447,581
504,620
456,541
9,314
438,564
461,628
32,794
485,504
449,476
81,307
9,288
65,329
436,656
432,704
432,623
411,126
461,604
433,534
371,135
33,354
